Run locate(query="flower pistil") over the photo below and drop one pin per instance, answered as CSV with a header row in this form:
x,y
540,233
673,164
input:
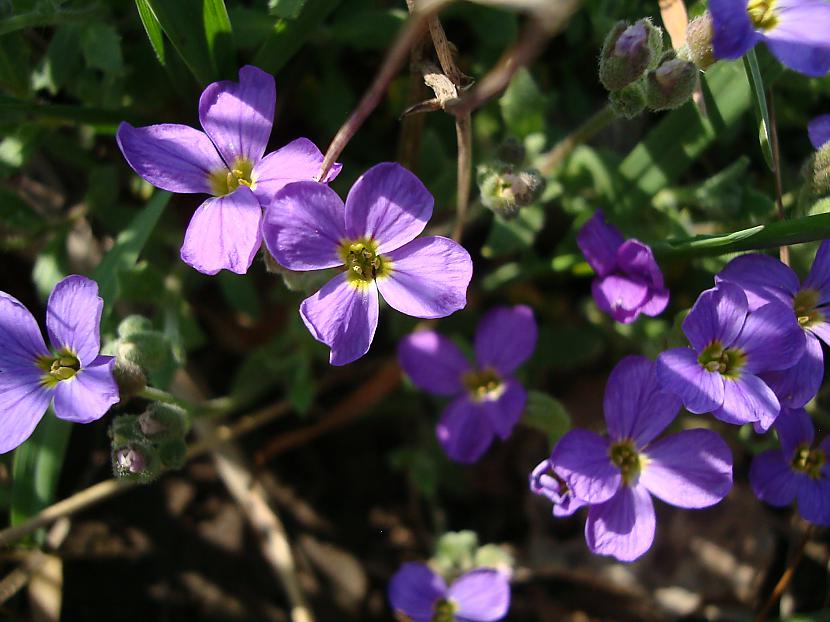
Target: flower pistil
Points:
x,y
483,384
809,461
61,366
726,361
762,14
627,459
363,262
225,181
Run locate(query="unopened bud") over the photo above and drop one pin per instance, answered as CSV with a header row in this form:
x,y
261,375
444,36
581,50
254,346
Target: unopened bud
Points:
x,y
628,52
670,85
699,36
506,190
151,350
164,421
129,377
511,151
817,172
172,452
135,461
133,324
628,102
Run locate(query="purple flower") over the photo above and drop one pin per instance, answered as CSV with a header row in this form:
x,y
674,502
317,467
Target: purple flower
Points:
x,y
796,471
628,281
546,482
795,31
729,348
617,474
72,374
481,595
306,227
819,131
225,161
488,401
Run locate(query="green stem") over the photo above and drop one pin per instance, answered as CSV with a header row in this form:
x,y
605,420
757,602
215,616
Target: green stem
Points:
x,y
776,234
157,395
38,19
585,132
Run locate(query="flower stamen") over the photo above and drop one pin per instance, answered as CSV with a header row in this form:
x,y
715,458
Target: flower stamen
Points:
x,y
809,461
483,384
725,361
362,261
61,366
762,14
804,305
627,459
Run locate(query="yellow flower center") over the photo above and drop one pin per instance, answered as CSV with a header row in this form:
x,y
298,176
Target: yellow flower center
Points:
x,y
627,459
444,611
61,366
809,461
804,304
362,261
726,361
762,13
225,181
483,384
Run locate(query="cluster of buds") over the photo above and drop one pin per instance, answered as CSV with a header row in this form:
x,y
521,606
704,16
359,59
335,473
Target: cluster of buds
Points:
x,y
639,74
506,185
145,445
458,552
140,351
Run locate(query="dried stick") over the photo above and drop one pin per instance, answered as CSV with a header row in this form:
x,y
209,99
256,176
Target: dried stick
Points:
x,y
785,579
13,582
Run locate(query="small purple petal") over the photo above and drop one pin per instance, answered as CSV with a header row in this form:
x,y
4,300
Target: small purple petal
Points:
x,y
429,278
464,431
822,329
746,400
620,296
634,406
717,315
388,204
634,257
819,276
73,317
414,589
505,411
771,339
238,115
224,233
545,485
481,595
89,394
505,338
763,278
656,302
814,500
733,33
623,526
299,160
819,131
582,459
797,385
23,401
794,428
304,227
172,157
19,334
344,317
772,479
599,242
679,372
799,38
689,469
433,362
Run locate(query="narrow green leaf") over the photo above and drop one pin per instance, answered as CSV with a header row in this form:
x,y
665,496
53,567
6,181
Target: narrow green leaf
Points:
x,y
220,38
759,99
152,28
289,9
16,111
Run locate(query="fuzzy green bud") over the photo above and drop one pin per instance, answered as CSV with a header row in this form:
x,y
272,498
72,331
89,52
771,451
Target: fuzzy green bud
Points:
x,y
172,453
699,47
125,430
670,85
505,190
817,172
628,52
129,377
149,349
629,101
164,421
135,461
133,324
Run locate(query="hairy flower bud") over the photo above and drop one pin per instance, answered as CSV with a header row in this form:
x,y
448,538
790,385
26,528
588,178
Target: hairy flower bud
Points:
x,y
505,189
135,461
164,421
133,324
817,172
151,350
129,377
628,52
628,102
699,47
670,85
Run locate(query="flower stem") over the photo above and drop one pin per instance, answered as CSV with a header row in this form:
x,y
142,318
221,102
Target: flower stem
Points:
x,y
157,395
585,132
785,579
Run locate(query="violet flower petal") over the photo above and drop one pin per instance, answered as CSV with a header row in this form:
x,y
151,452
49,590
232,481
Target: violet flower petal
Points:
x,y
433,362
634,257
679,372
623,526
819,276
814,500
772,479
733,32
237,116
463,431
763,278
299,160
799,39
19,334
23,401
797,385
819,131
822,329
505,338
304,226
481,595
224,233
771,339
581,458
746,400
656,302
428,279
172,157
634,406
689,469
89,394
414,589
344,317
505,411
620,296
794,428
599,242
388,204
717,315
73,317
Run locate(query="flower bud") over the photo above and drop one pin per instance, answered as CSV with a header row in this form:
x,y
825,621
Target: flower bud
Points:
x,y
129,377
629,101
505,190
164,421
670,85
628,52
817,172
133,324
511,151
699,47
151,350
172,453
135,461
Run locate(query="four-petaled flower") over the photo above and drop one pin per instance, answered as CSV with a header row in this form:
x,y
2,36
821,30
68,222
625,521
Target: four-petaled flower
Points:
x,y
481,595
765,279
73,374
307,227
795,31
628,281
488,401
729,348
226,161
616,475
796,471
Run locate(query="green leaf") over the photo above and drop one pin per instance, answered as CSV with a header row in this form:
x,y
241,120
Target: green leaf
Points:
x,y
289,9
547,414
759,99
14,65
818,616
17,215
101,45
152,28
517,234
523,105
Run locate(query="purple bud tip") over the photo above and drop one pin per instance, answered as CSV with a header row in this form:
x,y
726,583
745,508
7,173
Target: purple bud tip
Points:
x,y
130,460
632,40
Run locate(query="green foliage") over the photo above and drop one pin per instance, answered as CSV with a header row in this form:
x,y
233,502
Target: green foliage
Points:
x,y
547,414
